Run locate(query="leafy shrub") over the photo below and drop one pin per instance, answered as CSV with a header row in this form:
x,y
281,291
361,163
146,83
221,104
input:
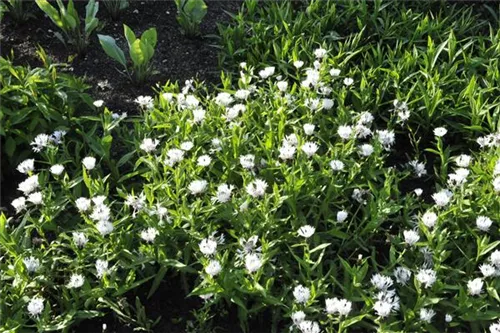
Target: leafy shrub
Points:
x,y
68,21
115,7
35,100
274,195
19,10
141,52
190,13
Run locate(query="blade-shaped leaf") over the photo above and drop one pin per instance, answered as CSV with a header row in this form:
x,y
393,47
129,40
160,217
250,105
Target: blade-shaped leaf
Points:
x,y
108,43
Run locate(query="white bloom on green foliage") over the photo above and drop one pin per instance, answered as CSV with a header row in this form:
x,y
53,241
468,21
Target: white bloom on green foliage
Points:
x,y
345,132
483,223
365,118
366,149
257,188
496,171
76,281
80,239
429,219
427,277
223,193
381,282
298,317
32,264
309,148
440,131
57,137
208,246
199,115
487,270
320,53
337,165
89,162
247,161
308,326
101,267
19,204
36,198
306,231
40,142
198,186
341,216
426,315
448,318
57,169
298,64
204,160
411,237
386,138
334,72
442,198
83,204
309,129
104,227
149,234
213,268
98,103
36,306
348,81
253,262
362,131
26,166
463,160
418,168
474,287
495,328
282,86
266,72
402,275
242,94
358,195
291,140
418,191
336,306
145,102
174,156
287,152
149,145
458,178
301,294
29,185
387,302
496,184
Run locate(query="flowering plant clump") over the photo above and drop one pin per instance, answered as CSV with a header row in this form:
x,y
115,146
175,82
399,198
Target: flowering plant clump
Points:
x,y
273,195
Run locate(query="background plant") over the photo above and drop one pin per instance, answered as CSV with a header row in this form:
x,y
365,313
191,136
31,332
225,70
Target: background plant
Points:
x,y
141,51
190,13
67,19
115,7
19,10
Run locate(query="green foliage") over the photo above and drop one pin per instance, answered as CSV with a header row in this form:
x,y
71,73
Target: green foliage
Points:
x,y
141,51
115,7
35,101
19,10
67,19
190,13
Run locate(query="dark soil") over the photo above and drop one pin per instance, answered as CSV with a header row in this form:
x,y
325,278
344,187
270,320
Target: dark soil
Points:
x,y
177,58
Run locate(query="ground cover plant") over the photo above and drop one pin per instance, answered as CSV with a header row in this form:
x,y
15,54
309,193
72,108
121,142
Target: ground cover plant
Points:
x,y
345,187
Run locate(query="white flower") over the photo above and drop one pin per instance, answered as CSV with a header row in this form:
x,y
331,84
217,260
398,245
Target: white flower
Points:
x,y
386,138
36,306
362,131
242,94
101,267
495,328
104,227
458,178
149,234
266,72
208,246
345,132
463,160
366,149
442,198
474,287
223,193
26,166
89,162
348,81
145,102
310,148
204,160
496,171
334,72
174,156
199,115
198,186
29,185
19,204
298,317
80,239
365,118
57,169
381,282
57,136
40,142
257,188
483,223
291,140
213,268
32,264
98,103
320,53
76,281
35,198
387,301
426,315
411,237
341,307
301,294
429,219
358,195
495,258
282,85
341,216
496,184
418,191
253,262
402,275
306,231
487,270
327,103
427,277
287,152
337,165
82,204
440,131
298,64
309,129
308,326
448,318
418,168
247,161
382,309
191,102
149,145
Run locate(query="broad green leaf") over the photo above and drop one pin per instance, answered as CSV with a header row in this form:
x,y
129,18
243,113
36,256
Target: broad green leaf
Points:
x,y
136,53
129,35
108,43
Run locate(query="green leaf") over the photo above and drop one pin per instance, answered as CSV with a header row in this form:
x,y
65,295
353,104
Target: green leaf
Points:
x,y
136,53
108,43
51,12
150,37
129,35
10,146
